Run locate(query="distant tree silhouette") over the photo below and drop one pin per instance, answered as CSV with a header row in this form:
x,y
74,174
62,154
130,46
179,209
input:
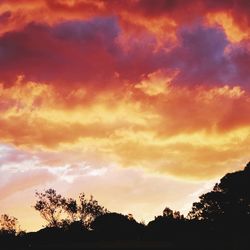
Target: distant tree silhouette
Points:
x,y
50,205
85,212
61,212
71,209
169,213
130,217
229,201
89,209
9,224
166,225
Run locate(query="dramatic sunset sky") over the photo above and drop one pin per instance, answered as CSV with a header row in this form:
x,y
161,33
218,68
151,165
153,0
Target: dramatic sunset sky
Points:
x,y
142,103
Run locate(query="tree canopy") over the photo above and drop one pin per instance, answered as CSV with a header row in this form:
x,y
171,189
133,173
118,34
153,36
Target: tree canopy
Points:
x,y
50,205
9,224
228,201
59,211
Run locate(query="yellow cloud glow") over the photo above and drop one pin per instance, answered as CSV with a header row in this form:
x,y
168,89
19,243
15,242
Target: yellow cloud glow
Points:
x,y
155,125
233,31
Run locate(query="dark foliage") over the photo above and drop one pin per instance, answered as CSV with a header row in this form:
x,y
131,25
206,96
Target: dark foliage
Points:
x,y
50,205
228,202
9,225
219,220
61,212
114,226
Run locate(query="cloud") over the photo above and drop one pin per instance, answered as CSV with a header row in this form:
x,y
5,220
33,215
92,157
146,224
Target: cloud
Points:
x,y
200,57
98,54
154,124
154,17
44,53
240,55
156,83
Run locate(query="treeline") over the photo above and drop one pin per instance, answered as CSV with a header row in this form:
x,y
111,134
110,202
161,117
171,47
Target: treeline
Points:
x,y
221,217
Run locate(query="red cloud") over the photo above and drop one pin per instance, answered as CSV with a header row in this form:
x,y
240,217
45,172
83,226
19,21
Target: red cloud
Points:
x,y
154,16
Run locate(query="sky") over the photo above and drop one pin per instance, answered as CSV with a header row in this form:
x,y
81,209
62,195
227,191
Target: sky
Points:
x,y
144,104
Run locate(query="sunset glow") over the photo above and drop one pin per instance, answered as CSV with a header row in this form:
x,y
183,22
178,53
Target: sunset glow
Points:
x,y
143,104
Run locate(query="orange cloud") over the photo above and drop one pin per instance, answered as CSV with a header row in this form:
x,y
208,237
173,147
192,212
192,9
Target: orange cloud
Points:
x,y
156,83
235,33
154,124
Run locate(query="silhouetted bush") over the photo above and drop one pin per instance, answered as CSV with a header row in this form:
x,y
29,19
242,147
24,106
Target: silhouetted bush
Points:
x,y
114,226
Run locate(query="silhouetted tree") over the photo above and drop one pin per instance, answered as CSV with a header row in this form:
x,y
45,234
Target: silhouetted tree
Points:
x,y
61,212
165,227
89,209
71,208
50,205
170,214
9,224
85,212
228,201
